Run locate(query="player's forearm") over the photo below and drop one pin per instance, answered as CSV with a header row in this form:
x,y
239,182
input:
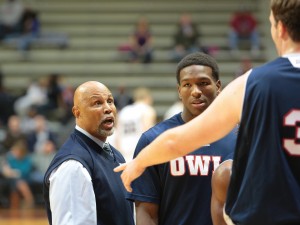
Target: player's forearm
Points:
x,y
163,149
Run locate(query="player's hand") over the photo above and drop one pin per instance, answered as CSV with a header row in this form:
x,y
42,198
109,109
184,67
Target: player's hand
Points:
x,y
131,171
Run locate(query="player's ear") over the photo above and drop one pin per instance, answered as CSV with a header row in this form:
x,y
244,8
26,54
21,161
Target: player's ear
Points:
x,y
219,87
179,91
282,30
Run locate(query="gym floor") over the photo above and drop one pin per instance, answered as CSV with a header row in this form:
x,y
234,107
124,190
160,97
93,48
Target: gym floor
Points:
x,y
36,216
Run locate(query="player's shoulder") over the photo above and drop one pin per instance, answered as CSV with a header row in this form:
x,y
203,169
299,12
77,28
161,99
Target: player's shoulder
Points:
x,y
265,69
224,167
222,174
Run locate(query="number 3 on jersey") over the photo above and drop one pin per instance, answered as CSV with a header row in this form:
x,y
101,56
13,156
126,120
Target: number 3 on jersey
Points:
x,y
292,118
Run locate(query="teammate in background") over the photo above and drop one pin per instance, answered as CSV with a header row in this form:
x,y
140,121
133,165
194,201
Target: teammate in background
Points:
x,y
79,185
264,187
162,190
133,120
219,185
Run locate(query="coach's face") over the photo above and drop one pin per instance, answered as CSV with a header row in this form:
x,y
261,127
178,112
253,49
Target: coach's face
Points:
x,y
94,109
197,90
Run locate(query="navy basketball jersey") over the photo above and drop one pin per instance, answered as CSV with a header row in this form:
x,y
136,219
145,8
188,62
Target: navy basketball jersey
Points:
x,y
265,183
181,187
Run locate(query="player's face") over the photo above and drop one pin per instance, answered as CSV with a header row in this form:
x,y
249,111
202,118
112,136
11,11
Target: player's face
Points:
x,y
197,90
98,113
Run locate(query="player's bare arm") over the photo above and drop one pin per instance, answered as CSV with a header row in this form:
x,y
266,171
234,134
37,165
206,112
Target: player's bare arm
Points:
x,y
219,183
146,213
218,119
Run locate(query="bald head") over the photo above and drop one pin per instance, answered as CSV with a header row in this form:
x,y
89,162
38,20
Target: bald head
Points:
x,y
84,90
94,109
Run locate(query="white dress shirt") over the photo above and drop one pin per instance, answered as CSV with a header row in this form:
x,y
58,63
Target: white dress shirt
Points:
x,y
71,193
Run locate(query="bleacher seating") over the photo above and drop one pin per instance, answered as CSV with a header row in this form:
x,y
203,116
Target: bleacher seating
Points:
x,y
97,28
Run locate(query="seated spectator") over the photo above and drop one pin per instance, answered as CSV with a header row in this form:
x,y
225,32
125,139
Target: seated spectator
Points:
x,y
30,25
54,104
122,98
243,26
141,49
67,104
6,103
30,32
41,135
36,94
13,133
28,120
41,160
11,12
186,38
17,168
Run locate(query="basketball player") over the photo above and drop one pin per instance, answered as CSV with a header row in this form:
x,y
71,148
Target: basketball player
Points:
x,y
162,190
265,182
133,120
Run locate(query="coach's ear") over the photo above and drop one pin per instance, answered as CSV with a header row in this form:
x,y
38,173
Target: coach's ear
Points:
x,y
76,111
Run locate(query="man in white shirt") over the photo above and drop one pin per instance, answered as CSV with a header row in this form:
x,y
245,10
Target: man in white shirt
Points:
x,y
80,186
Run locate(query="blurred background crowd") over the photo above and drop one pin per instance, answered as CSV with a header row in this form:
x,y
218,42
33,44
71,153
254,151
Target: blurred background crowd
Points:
x,y
48,47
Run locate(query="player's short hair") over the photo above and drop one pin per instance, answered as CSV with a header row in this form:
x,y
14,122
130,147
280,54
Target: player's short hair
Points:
x,y
198,58
141,93
288,12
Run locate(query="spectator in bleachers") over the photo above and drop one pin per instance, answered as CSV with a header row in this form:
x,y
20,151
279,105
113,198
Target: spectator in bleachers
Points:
x,y
31,32
41,161
141,42
11,12
13,133
17,168
36,94
243,27
6,103
30,25
28,120
122,98
54,103
67,103
186,38
41,135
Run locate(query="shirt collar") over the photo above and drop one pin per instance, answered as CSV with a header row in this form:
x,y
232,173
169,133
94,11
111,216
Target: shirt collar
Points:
x,y
99,142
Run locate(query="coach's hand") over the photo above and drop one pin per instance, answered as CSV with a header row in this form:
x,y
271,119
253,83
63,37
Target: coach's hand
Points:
x,y
131,171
